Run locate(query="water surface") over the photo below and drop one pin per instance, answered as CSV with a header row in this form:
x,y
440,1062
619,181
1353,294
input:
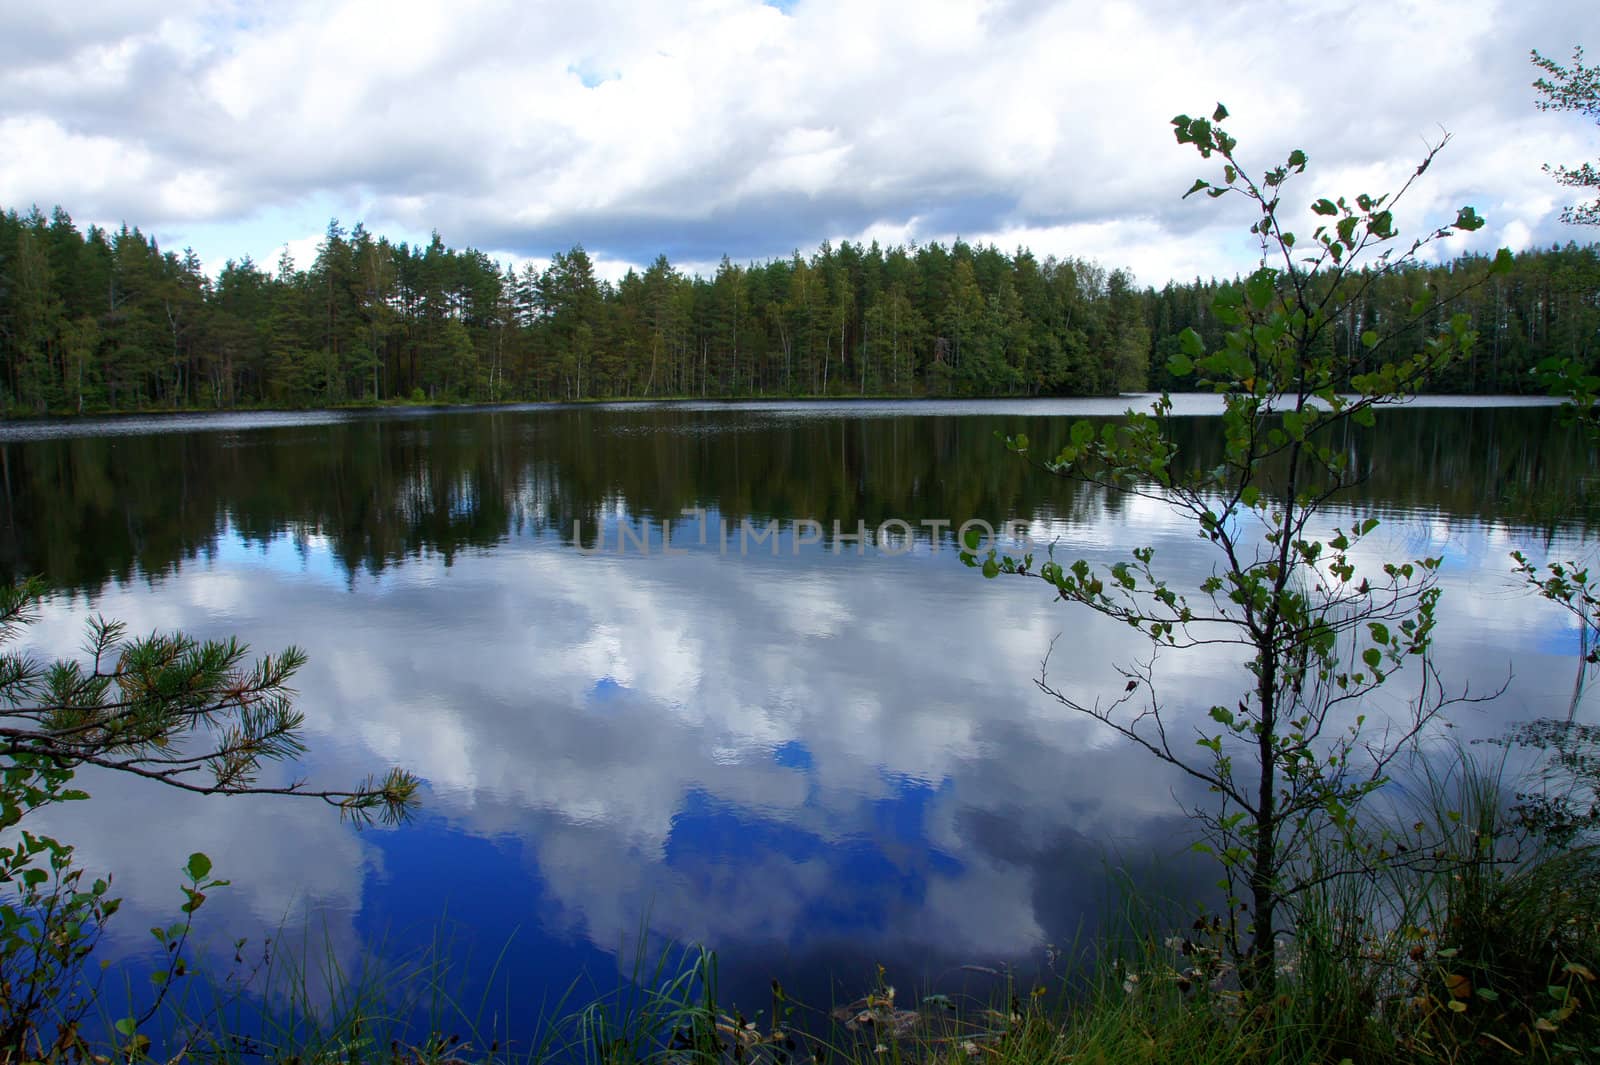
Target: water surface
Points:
x,y
812,759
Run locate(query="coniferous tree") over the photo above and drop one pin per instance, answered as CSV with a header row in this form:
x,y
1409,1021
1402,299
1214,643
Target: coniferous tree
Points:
x,y
94,321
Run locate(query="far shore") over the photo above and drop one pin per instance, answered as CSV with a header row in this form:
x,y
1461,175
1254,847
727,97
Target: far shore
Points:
x,y
401,404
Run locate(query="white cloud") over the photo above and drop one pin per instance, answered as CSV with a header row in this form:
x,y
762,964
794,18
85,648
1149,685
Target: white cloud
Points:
x,y
729,126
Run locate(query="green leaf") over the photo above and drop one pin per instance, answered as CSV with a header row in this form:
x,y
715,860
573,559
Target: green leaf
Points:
x,y
1380,632
127,1026
990,570
1369,339
1468,220
1372,657
1180,365
1082,433
1249,495
1259,289
1325,207
1219,114
199,866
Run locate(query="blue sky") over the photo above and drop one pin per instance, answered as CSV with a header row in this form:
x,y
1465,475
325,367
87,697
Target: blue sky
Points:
x,y
754,129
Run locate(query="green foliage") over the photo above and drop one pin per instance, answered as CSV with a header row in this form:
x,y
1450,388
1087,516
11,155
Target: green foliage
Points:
x,y
199,716
1322,630
1569,586
50,920
1573,88
193,715
1500,932
1536,309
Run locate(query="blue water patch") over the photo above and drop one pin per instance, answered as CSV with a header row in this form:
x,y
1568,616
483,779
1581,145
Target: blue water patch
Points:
x,y
484,900
793,755
298,557
871,874
606,690
465,911
1559,638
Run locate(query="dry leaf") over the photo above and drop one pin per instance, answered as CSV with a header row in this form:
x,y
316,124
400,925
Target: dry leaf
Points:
x,y
1581,971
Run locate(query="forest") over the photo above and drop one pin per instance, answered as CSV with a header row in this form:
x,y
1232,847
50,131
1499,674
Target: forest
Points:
x,y
93,321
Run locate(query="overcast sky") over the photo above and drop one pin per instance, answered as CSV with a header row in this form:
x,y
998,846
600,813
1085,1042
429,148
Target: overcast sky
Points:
x,y
748,129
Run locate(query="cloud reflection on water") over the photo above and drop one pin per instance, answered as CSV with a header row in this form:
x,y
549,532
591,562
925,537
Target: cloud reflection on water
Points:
x,y
809,758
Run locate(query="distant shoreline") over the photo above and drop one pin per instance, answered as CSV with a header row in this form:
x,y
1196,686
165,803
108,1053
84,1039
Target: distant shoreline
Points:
x,y
1505,399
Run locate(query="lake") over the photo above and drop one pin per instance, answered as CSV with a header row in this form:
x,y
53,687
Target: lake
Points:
x,y
810,754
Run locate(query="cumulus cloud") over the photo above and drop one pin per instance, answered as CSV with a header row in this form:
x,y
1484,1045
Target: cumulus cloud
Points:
x,y
731,126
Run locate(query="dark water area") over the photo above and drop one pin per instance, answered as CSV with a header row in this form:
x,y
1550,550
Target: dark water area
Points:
x,y
811,754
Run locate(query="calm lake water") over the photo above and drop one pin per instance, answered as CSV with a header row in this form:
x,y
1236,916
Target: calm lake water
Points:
x,y
811,759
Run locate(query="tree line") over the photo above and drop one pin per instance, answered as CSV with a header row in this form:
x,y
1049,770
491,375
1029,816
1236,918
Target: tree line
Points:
x,y
94,320
1546,305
